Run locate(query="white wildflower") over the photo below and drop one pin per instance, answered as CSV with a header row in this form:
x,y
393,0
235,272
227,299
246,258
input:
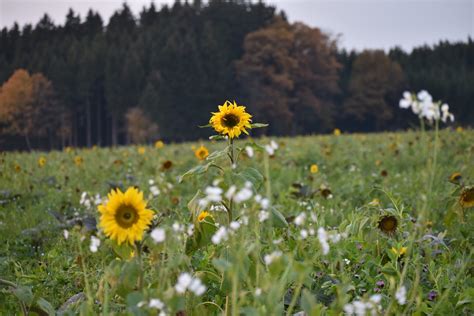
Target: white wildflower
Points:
x,y
300,219
213,194
219,235
249,151
401,295
158,235
234,225
263,216
268,259
95,243
184,280
66,234
156,303
323,240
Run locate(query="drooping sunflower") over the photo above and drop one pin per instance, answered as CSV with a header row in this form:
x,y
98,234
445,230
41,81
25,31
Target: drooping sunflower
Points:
x,y
124,217
455,178
201,153
467,197
231,120
388,224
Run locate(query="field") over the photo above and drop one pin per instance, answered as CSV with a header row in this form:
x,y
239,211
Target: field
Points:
x,y
376,226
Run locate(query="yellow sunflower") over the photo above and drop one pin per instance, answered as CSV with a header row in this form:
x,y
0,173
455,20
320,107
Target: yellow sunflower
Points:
x,y
337,132
203,215
467,197
201,153
314,168
159,144
78,160
231,120
124,217
141,150
41,162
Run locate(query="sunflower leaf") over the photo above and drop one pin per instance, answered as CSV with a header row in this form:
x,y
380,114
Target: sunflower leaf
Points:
x,y
204,126
258,125
217,137
217,154
196,170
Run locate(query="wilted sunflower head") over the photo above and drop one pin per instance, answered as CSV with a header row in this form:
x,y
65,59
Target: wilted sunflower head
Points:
x,y
124,217
166,165
467,197
455,178
231,120
201,153
388,224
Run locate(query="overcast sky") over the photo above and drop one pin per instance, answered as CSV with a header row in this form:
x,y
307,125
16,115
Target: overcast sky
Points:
x,y
361,23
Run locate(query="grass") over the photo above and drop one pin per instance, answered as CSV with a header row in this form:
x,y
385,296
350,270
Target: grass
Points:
x,y
361,179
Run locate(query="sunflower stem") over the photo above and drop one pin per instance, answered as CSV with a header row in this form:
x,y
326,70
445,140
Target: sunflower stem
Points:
x,y
138,246
86,279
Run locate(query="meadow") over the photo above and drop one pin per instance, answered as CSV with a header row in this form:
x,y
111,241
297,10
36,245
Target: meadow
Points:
x,y
360,224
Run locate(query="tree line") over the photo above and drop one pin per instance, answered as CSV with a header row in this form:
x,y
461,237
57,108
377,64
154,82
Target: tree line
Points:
x,y
160,74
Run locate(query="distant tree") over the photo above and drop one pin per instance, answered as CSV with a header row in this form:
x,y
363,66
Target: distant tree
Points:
x,y
289,74
140,129
374,90
27,106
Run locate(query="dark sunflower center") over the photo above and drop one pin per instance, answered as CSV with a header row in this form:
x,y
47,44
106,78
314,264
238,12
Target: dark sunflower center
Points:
x,y
126,216
230,120
388,224
469,196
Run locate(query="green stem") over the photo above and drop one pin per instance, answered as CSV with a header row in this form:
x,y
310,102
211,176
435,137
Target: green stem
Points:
x,y
138,246
86,279
294,298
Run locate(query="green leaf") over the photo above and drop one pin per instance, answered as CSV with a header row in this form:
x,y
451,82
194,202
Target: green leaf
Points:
x,y
278,220
217,137
24,294
45,306
222,264
252,175
217,154
128,278
200,169
124,251
205,126
193,205
259,125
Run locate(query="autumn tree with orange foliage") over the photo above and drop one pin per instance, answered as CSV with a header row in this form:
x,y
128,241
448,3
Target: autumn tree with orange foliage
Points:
x,y
28,107
374,87
140,128
289,73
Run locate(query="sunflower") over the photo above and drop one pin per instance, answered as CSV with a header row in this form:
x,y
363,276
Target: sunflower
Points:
x,y
78,160
41,162
124,217
455,178
337,132
159,144
141,150
467,197
17,167
203,215
201,153
231,120
388,224
314,168
166,165
459,129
